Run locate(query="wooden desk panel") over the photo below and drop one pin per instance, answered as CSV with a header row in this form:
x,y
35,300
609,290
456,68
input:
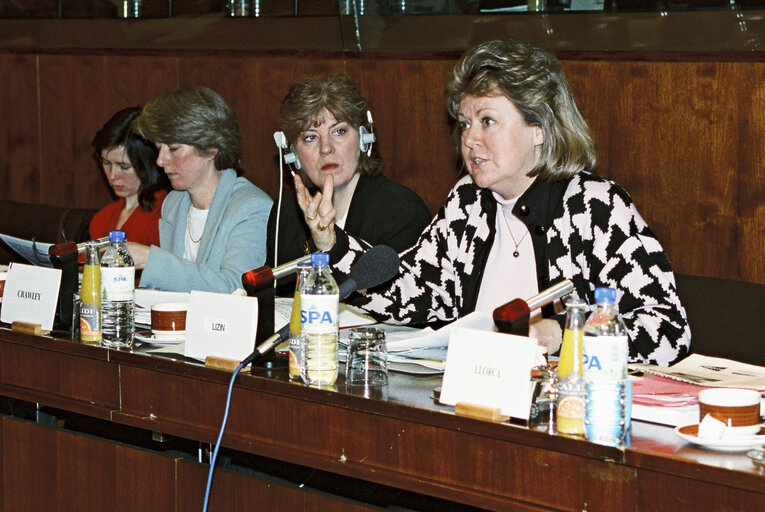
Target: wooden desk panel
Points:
x,y
58,470
421,451
233,491
59,373
656,448
402,440
688,495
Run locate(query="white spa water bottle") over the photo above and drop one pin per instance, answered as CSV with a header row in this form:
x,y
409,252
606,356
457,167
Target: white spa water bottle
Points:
x,y
319,307
604,367
117,292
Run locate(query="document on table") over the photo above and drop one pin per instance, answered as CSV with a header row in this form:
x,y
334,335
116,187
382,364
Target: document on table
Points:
x,y
32,251
710,371
670,395
439,339
665,401
410,348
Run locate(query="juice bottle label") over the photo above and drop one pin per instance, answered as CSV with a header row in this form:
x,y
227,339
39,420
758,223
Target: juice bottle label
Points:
x,y
570,415
296,355
90,322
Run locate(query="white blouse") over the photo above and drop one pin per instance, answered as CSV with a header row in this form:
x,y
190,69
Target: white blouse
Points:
x,y
511,269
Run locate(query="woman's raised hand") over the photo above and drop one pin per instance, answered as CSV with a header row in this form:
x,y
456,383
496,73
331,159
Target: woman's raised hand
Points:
x,y
319,212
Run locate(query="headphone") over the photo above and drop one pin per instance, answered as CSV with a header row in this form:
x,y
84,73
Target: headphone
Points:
x,y
290,158
366,139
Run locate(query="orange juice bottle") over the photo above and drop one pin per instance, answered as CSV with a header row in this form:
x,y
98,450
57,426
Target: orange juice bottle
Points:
x,y
296,341
571,391
90,297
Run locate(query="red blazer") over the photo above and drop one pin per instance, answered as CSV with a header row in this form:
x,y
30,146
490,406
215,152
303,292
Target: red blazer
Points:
x,y
141,226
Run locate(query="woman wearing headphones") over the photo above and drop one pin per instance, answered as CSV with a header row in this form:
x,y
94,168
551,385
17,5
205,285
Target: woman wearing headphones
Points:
x,y
327,125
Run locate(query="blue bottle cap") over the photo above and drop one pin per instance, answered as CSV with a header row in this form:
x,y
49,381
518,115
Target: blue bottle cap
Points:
x,y
605,295
116,235
319,258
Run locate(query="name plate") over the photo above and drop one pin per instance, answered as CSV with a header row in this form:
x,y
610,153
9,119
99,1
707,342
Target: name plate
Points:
x,y
220,325
490,369
31,295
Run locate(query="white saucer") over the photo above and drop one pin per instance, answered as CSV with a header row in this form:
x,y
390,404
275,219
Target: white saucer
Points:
x,y
148,337
730,443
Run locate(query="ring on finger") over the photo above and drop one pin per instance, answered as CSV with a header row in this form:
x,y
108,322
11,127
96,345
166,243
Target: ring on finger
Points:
x,y
311,218
321,226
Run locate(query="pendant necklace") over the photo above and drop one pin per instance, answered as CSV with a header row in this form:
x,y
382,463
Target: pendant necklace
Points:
x,y
518,243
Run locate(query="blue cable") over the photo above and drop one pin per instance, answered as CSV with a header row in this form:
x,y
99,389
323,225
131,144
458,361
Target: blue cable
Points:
x,y
220,434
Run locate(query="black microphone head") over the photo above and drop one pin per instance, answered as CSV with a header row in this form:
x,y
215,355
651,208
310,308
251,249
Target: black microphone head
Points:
x,y
376,266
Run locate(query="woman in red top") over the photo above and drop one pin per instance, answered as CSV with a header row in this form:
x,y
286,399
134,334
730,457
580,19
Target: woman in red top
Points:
x,y
129,162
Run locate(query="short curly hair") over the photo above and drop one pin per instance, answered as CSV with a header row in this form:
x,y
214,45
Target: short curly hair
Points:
x,y
341,96
532,78
196,116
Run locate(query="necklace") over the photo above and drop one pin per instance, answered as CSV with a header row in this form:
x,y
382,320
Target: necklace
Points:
x,y
518,243
188,227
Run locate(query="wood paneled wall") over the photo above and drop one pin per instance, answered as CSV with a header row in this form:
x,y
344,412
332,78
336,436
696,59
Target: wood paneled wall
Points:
x,y
686,136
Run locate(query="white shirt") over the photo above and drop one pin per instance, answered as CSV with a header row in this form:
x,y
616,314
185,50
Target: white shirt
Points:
x,y
340,221
507,277
195,228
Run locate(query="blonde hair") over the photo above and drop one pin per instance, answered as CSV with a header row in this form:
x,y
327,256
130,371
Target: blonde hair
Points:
x,y
532,78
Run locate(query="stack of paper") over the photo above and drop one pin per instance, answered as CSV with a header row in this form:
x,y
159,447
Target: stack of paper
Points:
x,y
670,395
710,371
412,350
668,402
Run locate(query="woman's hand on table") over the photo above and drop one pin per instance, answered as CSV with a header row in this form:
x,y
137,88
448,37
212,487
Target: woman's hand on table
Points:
x,y
319,212
139,252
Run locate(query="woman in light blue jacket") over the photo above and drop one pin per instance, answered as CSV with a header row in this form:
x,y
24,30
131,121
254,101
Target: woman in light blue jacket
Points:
x,y
213,225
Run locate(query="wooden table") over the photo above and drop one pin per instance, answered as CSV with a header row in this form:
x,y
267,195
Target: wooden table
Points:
x,y
401,441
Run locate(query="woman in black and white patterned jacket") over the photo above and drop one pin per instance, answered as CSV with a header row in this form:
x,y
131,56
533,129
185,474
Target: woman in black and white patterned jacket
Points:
x,y
530,214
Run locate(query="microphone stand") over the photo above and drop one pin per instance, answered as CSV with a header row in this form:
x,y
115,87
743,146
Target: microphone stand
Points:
x,y
266,306
69,282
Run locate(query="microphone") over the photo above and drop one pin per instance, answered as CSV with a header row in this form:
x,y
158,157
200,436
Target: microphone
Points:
x,y
513,317
262,277
376,266
69,247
